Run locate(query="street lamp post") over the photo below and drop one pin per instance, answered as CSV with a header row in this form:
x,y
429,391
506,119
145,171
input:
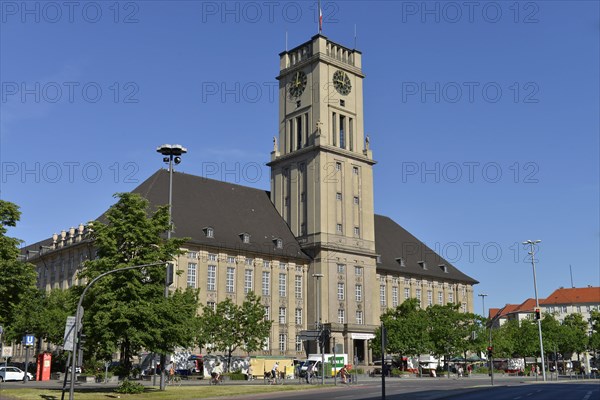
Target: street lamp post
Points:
x,y
320,326
532,244
172,155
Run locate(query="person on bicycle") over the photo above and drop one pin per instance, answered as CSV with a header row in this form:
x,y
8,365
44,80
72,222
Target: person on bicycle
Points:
x,y
217,372
344,373
275,371
310,371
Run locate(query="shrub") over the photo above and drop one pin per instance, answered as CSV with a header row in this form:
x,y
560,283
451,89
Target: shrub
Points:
x,y
236,376
128,387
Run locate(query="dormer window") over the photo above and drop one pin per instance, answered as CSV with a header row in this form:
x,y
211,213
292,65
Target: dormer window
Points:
x,y
423,264
278,243
245,237
400,261
444,268
209,232
378,258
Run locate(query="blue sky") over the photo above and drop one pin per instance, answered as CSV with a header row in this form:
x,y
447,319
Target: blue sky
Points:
x,y
483,117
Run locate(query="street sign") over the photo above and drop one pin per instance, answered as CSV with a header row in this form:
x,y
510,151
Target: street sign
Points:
x,y
28,340
69,336
1,329
309,335
7,351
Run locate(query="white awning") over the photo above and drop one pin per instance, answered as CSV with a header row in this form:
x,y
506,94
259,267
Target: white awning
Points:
x,y
363,336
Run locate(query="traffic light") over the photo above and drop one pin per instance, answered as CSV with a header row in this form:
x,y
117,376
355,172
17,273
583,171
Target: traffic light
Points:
x,y
490,350
537,314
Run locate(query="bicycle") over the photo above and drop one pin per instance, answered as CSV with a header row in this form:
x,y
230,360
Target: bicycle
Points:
x,y
214,380
174,380
271,378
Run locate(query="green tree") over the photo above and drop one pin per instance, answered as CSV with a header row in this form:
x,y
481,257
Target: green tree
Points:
x,y
127,310
448,329
17,278
594,341
229,326
407,330
574,337
45,315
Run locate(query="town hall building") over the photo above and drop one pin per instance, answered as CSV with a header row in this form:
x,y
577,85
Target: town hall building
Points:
x,y
312,247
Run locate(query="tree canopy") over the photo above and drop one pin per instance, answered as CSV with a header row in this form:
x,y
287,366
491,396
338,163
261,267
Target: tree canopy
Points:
x,y
17,278
127,310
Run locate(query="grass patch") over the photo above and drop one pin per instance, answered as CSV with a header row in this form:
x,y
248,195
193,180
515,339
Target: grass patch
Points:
x,y
172,393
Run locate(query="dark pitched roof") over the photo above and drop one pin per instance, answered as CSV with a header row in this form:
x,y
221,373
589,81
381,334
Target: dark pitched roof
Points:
x,y
231,210
395,244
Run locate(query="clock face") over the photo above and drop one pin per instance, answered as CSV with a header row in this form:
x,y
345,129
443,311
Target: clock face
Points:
x,y
341,82
297,84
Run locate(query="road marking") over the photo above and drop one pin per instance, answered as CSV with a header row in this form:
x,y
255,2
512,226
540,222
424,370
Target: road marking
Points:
x,y
516,398
587,396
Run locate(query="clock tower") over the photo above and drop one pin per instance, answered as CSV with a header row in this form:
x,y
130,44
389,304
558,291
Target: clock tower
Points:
x,y
322,185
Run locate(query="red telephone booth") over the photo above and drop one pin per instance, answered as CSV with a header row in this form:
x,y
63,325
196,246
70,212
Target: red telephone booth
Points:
x,y
44,361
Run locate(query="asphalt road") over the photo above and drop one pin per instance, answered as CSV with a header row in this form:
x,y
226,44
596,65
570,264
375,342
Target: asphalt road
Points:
x,y
505,388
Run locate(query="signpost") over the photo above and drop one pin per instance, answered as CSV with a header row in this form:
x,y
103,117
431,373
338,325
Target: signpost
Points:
x,y
28,341
69,336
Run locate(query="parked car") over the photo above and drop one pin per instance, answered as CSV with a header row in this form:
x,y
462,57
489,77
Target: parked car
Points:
x,y
14,374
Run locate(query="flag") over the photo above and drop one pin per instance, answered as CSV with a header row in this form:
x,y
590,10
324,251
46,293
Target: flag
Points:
x,y
320,18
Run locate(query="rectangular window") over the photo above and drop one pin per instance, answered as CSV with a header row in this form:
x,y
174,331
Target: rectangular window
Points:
x,y
212,278
564,309
298,343
298,286
230,260
266,264
282,265
212,305
356,201
440,298
298,316
282,318
338,166
341,316
282,342
382,295
359,317
249,262
212,257
298,133
451,297
338,196
429,298
229,282
356,231
333,121
355,170
282,285
351,134
192,254
266,283
342,132
340,291
419,295
579,309
267,313
267,345
210,232
406,293
341,268
191,275
358,271
358,292
339,228
394,296
248,281
464,307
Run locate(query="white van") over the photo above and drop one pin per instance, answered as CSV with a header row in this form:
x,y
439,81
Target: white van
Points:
x,y
340,361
